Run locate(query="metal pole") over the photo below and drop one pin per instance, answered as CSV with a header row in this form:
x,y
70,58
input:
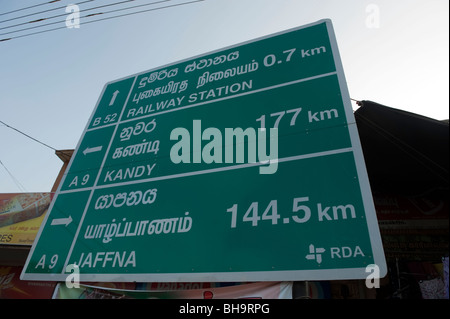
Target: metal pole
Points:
x,y
307,296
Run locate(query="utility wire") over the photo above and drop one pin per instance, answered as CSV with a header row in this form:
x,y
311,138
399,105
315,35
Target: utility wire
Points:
x,y
103,19
64,14
48,10
15,180
87,16
36,140
30,7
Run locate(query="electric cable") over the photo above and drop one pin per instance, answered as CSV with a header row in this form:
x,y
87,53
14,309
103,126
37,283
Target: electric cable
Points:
x,y
48,10
65,14
30,7
87,16
30,137
103,19
15,180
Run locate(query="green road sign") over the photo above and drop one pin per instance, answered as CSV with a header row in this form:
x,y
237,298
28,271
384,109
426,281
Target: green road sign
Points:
x,y
243,164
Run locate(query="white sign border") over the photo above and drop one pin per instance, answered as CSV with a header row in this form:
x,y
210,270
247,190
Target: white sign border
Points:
x,y
293,275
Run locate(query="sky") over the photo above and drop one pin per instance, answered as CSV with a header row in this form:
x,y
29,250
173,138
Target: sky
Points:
x,y
395,53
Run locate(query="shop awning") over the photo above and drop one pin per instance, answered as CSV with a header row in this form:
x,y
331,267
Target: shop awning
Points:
x,y
403,151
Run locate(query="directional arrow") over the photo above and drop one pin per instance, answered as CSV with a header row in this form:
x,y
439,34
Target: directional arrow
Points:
x,y
113,99
92,149
62,221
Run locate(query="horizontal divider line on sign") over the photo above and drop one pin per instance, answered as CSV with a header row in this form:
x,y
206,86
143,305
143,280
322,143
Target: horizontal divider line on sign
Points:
x,y
217,100
214,170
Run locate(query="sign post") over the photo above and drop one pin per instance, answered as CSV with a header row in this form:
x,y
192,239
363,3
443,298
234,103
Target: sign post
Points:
x,y
243,164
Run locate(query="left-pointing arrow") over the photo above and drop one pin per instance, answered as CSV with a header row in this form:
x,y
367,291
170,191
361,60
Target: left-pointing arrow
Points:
x,y
62,221
92,149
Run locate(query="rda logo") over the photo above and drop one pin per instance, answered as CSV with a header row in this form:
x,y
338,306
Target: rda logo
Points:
x,y
315,253
343,252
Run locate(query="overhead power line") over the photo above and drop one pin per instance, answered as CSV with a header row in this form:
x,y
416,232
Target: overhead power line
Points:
x,y
106,18
65,15
45,11
60,15
30,7
15,180
30,137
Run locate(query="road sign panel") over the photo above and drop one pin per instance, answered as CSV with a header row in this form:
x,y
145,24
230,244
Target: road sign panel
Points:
x,y
242,164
